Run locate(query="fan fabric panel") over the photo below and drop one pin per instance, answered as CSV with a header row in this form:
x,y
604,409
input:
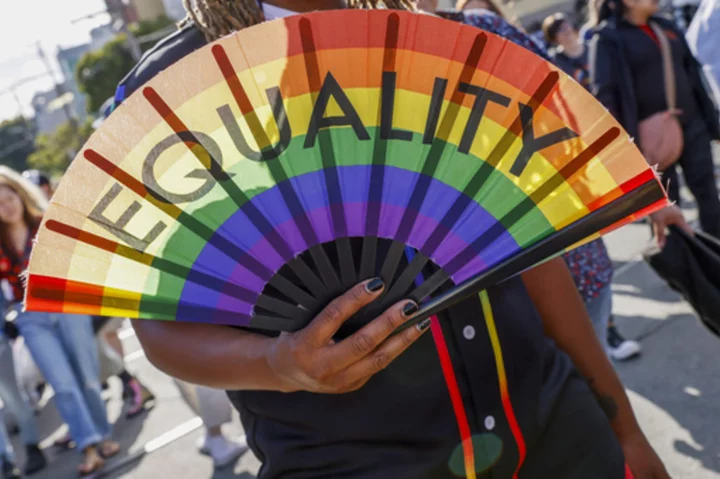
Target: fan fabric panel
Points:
x,y
199,188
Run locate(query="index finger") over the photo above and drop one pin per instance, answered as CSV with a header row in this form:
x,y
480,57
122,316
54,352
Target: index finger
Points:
x,y
324,326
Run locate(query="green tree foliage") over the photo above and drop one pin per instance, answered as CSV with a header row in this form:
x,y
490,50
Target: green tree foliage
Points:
x,y
16,143
98,73
148,27
54,152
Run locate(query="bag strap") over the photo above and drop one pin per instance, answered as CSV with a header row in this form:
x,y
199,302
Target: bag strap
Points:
x,y
668,69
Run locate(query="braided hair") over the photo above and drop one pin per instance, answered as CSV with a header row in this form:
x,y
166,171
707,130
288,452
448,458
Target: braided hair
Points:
x,y
217,18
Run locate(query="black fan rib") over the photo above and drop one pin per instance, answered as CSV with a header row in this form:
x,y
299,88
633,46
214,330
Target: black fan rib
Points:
x,y
430,164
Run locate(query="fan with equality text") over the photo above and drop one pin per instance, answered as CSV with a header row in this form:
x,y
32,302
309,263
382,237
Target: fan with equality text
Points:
x,y
255,180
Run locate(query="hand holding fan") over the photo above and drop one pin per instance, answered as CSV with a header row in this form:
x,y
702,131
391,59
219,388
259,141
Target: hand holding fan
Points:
x,y
263,175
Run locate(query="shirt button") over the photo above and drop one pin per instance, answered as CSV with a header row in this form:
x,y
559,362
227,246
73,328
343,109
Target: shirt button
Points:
x,y
489,423
469,332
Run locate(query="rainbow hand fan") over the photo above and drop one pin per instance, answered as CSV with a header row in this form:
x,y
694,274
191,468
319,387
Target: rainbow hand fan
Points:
x,y
263,175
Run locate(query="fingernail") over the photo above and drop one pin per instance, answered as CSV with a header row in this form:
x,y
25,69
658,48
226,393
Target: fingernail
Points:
x,y
423,325
374,285
409,309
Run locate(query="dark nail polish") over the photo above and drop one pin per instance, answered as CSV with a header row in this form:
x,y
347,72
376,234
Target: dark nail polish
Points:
x,y
423,325
409,309
374,285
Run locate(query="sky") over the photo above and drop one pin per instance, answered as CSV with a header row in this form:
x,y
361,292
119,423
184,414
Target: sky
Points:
x,y
49,22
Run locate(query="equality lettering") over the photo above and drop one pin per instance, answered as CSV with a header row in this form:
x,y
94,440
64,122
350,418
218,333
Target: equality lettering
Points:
x,y
331,90
268,153
211,173
531,144
483,96
387,132
117,227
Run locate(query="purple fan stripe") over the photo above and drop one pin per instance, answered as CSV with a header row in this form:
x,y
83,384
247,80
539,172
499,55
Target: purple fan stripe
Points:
x,y
399,185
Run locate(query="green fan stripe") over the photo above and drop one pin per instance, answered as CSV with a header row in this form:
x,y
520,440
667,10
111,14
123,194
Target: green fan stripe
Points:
x,y
455,169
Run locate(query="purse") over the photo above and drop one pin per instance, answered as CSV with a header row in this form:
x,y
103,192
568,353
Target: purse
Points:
x,y
660,135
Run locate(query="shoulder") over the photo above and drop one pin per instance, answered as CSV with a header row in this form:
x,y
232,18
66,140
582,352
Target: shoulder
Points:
x,y
493,23
605,34
665,23
167,51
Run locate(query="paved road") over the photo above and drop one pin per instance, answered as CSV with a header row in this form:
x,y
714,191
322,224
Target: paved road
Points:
x,y
674,388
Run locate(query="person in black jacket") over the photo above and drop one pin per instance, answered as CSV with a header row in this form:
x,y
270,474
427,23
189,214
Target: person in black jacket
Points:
x,y
626,75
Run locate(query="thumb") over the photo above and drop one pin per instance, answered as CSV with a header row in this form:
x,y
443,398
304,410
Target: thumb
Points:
x,y
687,228
660,235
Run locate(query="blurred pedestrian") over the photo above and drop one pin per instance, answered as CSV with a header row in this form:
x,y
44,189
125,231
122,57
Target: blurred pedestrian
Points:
x,y
136,393
589,264
429,6
63,346
627,69
41,180
215,409
110,350
566,48
19,408
703,36
684,11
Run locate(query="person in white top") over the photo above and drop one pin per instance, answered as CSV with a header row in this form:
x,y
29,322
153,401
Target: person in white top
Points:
x,y
703,36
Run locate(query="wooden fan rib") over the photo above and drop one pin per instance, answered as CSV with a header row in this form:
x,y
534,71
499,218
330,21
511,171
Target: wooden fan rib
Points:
x,y
482,174
183,272
433,158
233,191
332,182
485,169
368,258
224,245
530,202
645,195
317,286
289,311
408,277
519,211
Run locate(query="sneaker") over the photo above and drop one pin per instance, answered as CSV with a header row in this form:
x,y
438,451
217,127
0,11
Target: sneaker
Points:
x,y
222,450
66,442
35,459
140,397
9,469
619,348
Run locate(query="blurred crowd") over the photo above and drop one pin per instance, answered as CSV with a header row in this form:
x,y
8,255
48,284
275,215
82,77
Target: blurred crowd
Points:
x,y
618,53
74,355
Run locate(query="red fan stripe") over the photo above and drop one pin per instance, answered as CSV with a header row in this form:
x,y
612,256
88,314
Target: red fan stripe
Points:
x,y
630,185
64,296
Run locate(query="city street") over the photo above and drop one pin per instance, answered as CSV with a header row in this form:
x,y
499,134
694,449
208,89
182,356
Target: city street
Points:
x,y
674,387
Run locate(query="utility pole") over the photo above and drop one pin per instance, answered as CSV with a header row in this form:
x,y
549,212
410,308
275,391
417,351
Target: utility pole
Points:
x,y
59,91
119,16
